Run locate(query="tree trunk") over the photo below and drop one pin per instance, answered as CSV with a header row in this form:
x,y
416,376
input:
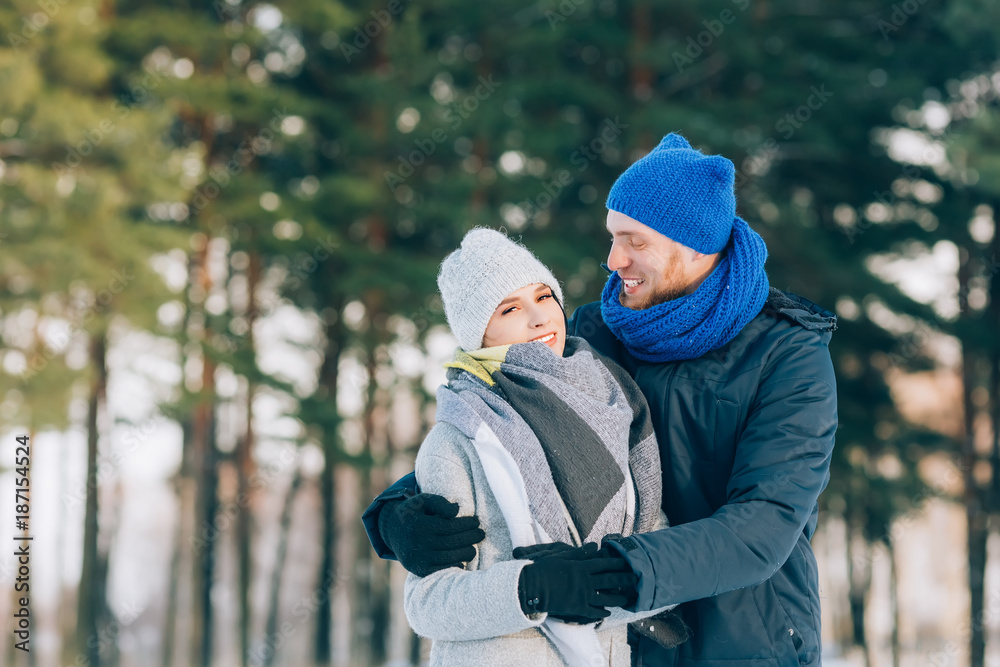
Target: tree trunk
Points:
x,y
204,455
893,601
279,567
184,486
91,602
379,588
859,569
335,337
245,470
992,272
976,515
640,73
976,518
205,509
379,601
372,606
170,626
415,649
323,648
109,645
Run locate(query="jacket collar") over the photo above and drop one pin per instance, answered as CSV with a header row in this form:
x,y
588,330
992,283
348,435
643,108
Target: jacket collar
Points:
x,y
800,310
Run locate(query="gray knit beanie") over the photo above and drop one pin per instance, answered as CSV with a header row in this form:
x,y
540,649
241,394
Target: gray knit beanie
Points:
x,y
474,279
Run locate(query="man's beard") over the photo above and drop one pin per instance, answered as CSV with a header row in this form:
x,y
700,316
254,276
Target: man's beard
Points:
x,y
666,291
670,287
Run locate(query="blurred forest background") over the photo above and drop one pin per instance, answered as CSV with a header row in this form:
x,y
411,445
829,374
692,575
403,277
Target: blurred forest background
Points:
x,y
220,224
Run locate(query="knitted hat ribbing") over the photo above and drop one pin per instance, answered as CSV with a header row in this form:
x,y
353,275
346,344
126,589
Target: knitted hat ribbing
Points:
x,y
481,273
681,193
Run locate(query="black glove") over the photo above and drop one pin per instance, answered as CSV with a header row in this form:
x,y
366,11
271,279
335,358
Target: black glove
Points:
x,y
538,550
427,535
575,584
629,590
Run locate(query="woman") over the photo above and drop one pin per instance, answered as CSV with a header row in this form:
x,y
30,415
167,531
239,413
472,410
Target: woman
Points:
x,y
545,441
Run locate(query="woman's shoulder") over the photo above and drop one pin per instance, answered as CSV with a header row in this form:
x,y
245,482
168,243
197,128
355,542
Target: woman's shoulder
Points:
x,y
444,441
445,465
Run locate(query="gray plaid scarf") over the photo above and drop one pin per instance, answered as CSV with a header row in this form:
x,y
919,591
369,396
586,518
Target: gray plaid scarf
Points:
x,y
577,427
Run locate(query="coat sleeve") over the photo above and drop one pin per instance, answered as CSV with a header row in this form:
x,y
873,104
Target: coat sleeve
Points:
x,y
457,604
782,464
621,616
404,487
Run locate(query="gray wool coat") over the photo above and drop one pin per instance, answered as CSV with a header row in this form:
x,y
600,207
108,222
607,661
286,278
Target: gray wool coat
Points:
x,y
473,615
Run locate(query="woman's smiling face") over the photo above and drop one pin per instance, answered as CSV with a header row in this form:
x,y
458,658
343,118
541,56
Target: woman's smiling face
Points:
x,y
530,313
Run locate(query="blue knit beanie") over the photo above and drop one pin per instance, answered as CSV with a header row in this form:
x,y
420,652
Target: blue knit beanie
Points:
x,y
681,193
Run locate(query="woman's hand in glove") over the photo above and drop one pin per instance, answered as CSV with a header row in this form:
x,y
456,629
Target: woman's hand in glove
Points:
x,y
576,584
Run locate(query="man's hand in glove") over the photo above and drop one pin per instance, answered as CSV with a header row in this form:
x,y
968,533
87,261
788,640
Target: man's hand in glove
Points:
x,y
575,584
427,535
536,551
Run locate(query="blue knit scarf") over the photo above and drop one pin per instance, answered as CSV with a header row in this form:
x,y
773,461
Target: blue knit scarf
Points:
x,y
708,318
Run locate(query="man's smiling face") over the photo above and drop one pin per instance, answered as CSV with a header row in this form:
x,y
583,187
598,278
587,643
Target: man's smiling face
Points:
x,y
654,269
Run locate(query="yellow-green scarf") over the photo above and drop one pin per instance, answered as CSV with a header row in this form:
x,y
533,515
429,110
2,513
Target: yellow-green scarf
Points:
x,y
482,362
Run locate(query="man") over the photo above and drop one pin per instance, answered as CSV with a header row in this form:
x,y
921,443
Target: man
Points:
x,y
742,394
